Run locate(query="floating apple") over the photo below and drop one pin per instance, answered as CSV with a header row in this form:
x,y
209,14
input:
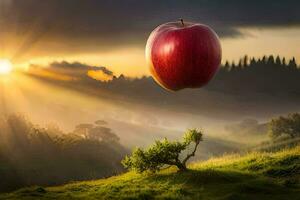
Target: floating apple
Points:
x,y
183,55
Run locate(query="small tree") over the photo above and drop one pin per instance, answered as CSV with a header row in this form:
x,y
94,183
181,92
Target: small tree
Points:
x,y
163,153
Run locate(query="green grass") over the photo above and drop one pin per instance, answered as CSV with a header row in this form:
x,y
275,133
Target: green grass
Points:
x,y
252,176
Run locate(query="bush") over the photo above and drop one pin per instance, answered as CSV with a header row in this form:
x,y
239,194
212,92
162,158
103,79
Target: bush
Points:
x,y
285,126
163,153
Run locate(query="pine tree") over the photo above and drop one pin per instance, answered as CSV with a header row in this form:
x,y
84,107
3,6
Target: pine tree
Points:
x,y
227,66
245,61
283,61
278,61
271,60
264,59
293,63
252,61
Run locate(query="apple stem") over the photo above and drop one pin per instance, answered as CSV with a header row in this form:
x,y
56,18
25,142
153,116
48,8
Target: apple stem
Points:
x,y
182,21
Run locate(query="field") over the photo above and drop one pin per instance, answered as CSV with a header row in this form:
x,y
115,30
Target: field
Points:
x,y
251,176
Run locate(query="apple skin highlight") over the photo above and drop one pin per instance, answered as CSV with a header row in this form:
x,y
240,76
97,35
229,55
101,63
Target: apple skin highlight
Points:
x,y
183,55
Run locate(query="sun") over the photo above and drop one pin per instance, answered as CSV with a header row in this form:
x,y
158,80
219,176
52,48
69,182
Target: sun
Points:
x,y
5,67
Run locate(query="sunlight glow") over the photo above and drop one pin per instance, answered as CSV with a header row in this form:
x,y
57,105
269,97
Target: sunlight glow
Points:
x,y
5,67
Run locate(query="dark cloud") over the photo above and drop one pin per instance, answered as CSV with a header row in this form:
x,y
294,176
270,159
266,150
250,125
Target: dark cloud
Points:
x,y
75,71
104,24
77,66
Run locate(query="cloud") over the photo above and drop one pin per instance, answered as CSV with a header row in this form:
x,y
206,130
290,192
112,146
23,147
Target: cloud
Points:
x,y
71,71
105,24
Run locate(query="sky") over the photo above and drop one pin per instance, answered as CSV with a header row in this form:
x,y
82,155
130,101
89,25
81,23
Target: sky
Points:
x,y
113,33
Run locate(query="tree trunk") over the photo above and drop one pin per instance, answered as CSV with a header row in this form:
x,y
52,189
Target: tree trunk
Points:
x,y
181,167
191,154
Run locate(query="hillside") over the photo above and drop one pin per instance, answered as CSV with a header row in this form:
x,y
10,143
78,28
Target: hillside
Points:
x,y
251,176
35,155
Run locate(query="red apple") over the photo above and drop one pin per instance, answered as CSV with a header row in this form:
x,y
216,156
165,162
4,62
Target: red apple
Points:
x,y
183,55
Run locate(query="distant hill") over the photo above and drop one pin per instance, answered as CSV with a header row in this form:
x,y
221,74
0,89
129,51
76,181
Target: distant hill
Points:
x,y
253,176
253,87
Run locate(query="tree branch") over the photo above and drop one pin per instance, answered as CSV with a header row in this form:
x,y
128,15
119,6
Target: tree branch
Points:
x,y
191,154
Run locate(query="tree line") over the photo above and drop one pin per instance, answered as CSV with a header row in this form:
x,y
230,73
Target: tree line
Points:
x,y
246,61
266,75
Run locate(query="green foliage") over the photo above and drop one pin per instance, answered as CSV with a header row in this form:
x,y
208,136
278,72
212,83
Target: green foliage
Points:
x,y
192,135
285,126
256,176
162,153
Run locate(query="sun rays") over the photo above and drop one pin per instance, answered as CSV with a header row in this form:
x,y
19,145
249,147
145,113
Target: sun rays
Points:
x,y
5,67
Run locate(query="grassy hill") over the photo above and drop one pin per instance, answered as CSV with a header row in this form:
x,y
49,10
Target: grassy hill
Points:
x,y
252,176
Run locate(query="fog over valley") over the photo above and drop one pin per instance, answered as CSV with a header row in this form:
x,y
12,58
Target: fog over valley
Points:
x,y
139,111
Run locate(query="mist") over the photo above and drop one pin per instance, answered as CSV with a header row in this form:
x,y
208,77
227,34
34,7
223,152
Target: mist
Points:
x,y
139,111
